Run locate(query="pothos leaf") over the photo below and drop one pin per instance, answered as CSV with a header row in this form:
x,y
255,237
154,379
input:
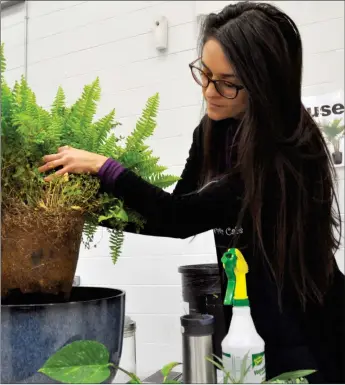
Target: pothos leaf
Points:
x,y
80,362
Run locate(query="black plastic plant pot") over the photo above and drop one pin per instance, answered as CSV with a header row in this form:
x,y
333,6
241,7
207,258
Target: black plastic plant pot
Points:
x,y
337,157
201,289
33,332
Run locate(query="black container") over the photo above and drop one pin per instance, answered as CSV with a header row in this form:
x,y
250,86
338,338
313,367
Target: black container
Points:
x,y
201,289
33,331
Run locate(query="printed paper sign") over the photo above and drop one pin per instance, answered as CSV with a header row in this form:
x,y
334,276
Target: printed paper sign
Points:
x,y
328,112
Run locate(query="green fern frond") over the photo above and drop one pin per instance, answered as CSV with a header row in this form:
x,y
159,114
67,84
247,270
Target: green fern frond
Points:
x,y
43,120
130,159
150,167
116,241
145,125
15,95
27,97
78,125
2,59
90,229
53,133
88,103
58,106
108,148
163,181
144,165
101,130
6,110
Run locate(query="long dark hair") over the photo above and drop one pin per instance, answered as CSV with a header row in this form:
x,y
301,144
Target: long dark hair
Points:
x,y
282,157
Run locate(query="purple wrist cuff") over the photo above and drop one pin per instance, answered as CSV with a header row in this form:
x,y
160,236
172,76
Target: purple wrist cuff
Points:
x,y
110,171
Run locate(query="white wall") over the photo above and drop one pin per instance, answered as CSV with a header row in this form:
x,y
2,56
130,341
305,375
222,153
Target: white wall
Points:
x,y
72,42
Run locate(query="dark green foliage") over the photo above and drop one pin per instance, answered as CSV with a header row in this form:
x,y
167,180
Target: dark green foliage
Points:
x,y
28,132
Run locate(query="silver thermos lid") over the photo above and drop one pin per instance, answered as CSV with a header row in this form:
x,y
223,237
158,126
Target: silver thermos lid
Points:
x,y
197,345
130,326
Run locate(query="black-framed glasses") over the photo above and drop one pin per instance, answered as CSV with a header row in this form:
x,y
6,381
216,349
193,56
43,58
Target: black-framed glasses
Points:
x,y
226,89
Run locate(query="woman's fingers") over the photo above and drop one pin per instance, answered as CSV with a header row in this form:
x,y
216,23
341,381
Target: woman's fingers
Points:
x,y
49,158
73,161
55,160
63,171
53,163
63,148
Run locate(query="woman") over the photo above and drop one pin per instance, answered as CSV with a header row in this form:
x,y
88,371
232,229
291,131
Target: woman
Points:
x,y
259,174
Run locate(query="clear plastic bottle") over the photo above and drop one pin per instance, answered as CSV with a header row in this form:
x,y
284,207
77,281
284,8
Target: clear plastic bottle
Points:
x,y
243,349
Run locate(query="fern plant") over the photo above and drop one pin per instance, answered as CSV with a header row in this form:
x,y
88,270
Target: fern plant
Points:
x,y
28,132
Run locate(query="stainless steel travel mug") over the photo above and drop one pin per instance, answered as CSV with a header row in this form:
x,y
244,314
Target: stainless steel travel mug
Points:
x,y
197,331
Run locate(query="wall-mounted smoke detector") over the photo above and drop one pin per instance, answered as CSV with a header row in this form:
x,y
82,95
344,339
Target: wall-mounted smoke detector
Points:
x,y
160,31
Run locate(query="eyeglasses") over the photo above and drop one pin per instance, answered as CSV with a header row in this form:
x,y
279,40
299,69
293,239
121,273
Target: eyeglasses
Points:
x,y
223,87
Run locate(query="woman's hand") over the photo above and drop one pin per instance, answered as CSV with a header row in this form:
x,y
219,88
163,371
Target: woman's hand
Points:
x,y
73,161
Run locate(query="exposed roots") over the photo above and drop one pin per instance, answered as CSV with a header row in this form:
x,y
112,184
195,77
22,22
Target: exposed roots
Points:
x,y
39,249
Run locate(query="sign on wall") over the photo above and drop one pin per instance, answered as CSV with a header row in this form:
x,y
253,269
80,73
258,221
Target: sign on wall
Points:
x,y
326,106
328,112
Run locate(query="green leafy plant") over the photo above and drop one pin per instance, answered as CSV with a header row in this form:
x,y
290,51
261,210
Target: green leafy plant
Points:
x,y
228,378
333,131
28,132
87,362
83,362
294,377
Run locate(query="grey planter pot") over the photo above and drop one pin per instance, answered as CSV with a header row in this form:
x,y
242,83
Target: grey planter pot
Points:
x,y
31,333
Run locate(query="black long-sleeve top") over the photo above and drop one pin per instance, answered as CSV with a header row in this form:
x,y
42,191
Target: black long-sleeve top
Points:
x,y
295,339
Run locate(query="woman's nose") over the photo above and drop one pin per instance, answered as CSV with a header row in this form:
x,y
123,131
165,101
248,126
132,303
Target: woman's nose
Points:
x,y
211,90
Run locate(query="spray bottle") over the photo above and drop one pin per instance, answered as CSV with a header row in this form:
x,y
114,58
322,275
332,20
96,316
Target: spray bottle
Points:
x,y
243,349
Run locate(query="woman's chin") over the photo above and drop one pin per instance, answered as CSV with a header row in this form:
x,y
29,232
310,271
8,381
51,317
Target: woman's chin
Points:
x,y
216,115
